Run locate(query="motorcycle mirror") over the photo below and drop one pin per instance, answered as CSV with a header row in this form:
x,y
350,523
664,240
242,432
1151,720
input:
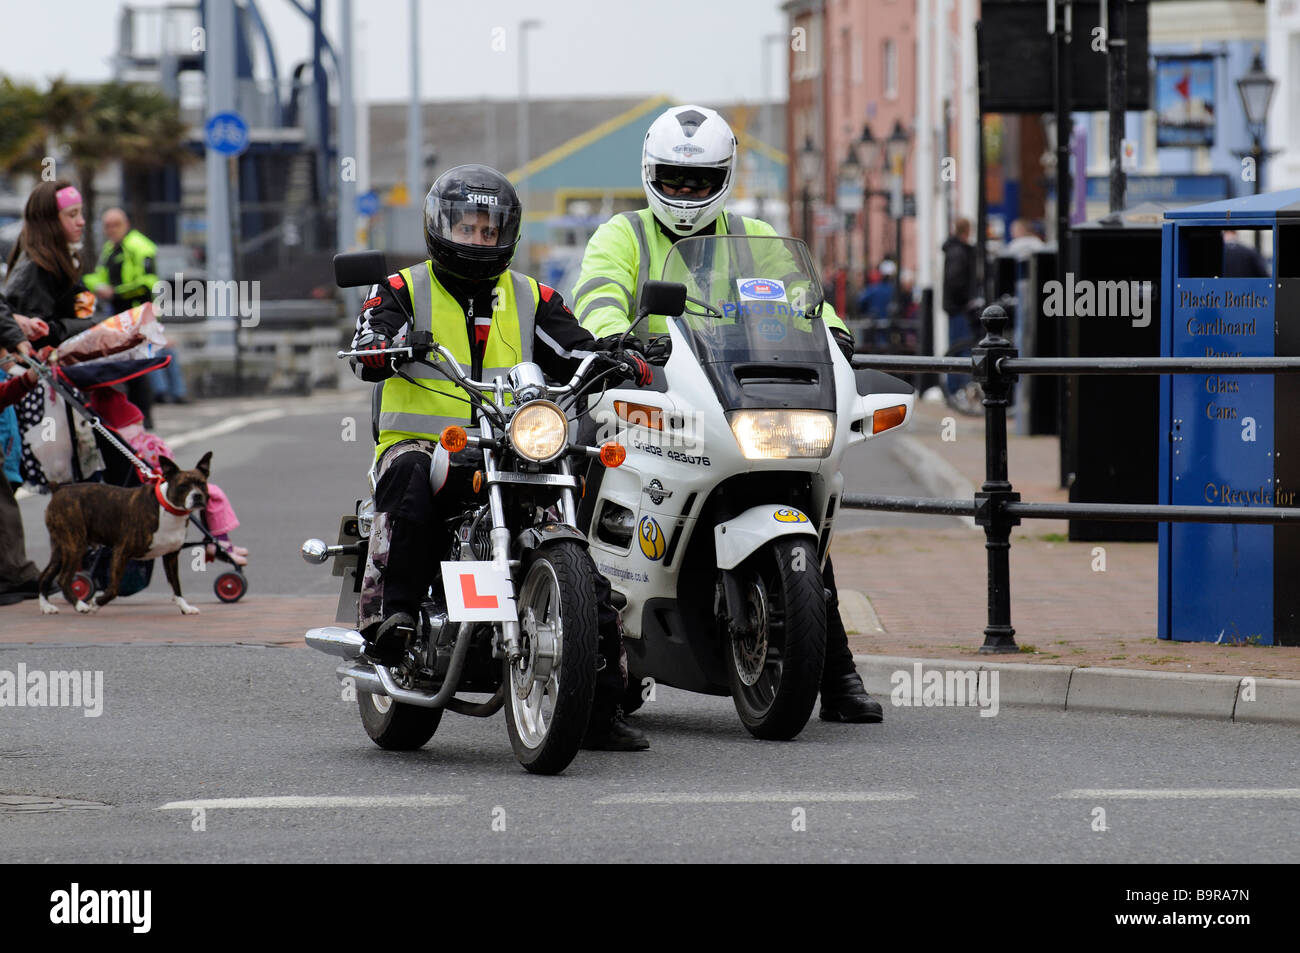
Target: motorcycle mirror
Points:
x,y
667,298
357,269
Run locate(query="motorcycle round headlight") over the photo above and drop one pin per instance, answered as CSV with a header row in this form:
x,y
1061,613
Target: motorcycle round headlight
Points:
x,y
539,431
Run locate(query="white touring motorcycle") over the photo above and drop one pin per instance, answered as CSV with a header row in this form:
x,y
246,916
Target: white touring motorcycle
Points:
x,y
716,527
513,611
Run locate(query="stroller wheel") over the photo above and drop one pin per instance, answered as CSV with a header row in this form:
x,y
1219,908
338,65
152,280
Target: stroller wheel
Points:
x,y
83,587
230,586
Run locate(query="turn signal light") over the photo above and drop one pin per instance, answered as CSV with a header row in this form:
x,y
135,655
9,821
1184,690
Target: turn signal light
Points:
x,y
887,418
453,439
613,454
640,415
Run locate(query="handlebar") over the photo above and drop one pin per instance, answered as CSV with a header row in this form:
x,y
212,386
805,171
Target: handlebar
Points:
x,y
452,367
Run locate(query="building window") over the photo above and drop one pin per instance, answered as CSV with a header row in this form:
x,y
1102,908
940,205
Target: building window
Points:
x,y
890,60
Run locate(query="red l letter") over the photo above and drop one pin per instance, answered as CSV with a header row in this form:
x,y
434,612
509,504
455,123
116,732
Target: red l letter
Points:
x,y
472,599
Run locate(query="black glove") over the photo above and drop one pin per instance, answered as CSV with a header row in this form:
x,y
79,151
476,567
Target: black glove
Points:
x,y
639,370
374,343
844,340
616,342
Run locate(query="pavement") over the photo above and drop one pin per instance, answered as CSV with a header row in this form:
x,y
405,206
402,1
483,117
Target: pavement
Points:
x,y
1084,613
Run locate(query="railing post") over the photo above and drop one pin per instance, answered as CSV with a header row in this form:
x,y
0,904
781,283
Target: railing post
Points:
x,y
990,502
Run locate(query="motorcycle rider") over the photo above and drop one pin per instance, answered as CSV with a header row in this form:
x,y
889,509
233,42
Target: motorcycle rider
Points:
x,y
687,170
479,309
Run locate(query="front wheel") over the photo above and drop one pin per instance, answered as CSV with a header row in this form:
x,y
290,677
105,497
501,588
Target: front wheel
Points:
x,y
551,687
775,667
395,726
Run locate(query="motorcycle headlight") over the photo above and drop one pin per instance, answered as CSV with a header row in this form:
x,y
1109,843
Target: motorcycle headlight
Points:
x,y
539,431
783,434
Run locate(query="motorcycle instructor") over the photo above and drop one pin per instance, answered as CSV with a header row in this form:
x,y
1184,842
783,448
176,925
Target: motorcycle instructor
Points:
x,y
491,318
687,171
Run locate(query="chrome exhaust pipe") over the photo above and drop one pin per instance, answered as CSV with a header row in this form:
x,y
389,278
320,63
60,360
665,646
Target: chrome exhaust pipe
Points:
x,y
377,680
333,640
362,675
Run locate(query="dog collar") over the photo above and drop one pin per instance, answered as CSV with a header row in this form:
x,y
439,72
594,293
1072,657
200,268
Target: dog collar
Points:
x,y
160,492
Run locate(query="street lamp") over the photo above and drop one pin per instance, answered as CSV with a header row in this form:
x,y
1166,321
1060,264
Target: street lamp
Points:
x,y
1256,90
867,148
522,143
810,164
895,152
850,173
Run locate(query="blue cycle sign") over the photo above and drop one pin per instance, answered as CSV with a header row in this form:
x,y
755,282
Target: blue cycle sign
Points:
x,y
226,133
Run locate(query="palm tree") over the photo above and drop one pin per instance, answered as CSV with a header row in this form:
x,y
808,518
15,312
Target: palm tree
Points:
x,y
96,124
21,130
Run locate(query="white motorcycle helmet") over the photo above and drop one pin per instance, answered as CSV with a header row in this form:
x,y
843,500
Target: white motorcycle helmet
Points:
x,y
688,147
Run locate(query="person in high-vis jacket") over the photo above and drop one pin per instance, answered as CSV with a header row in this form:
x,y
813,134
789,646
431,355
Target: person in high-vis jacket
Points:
x,y
687,170
127,264
490,318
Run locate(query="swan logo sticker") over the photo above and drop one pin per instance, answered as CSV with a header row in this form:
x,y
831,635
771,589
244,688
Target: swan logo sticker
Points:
x,y
651,538
789,516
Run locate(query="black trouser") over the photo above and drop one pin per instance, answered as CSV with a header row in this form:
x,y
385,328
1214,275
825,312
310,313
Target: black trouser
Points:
x,y
15,567
420,529
839,659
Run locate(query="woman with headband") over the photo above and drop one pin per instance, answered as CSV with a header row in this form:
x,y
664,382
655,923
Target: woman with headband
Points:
x,y
45,283
44,272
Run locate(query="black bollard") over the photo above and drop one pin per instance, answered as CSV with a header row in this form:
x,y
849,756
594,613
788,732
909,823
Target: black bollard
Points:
x,y
990,502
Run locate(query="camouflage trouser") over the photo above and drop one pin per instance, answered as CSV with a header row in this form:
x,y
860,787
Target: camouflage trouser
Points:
x,y
394,505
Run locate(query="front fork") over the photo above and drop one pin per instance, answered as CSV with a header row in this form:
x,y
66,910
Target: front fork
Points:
x,y
508,643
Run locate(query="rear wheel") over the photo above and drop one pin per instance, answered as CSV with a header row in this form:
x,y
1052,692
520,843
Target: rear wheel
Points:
x,y
550,689
395,726
775,668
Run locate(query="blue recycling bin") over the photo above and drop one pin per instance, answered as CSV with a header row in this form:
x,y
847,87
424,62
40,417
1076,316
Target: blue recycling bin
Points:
x,y
1230,440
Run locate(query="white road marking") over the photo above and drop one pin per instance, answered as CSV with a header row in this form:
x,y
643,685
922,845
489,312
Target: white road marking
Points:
x,y
302,802
755,797
1171,794
224,427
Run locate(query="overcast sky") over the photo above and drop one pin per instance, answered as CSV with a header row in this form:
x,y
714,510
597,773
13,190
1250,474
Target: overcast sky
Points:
x,y
703,51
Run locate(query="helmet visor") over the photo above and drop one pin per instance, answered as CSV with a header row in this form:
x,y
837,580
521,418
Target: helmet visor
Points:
x,y
472,223
688,181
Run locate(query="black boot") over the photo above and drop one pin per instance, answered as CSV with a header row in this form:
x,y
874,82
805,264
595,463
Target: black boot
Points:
x,y
613,734
844,699
843,696
387,641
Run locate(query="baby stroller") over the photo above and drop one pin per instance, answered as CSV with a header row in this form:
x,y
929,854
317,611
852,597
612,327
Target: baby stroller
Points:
x,y
123,468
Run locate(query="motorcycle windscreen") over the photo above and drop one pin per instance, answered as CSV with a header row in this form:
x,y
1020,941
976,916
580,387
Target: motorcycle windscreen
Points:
x,y
753,320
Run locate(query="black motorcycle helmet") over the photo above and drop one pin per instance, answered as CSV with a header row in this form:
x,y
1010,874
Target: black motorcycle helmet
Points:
x,y
471,223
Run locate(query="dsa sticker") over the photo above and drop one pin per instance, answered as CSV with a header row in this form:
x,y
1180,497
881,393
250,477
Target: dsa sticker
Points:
x,y
789,516
760,289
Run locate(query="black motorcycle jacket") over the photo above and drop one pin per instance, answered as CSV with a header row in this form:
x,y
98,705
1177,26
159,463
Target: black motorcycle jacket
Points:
x,y
559,341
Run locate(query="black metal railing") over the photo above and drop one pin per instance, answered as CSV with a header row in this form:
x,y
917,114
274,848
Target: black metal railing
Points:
x,y
994,364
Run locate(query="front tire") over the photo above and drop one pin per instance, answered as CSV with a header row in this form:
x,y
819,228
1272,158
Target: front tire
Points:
x,y
395,726
775,669
550,689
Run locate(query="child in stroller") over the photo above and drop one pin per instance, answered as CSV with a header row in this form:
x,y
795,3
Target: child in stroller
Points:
x,y
129,453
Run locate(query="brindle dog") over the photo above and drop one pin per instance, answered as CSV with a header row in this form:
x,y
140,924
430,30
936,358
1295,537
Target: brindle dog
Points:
x,y
132,523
